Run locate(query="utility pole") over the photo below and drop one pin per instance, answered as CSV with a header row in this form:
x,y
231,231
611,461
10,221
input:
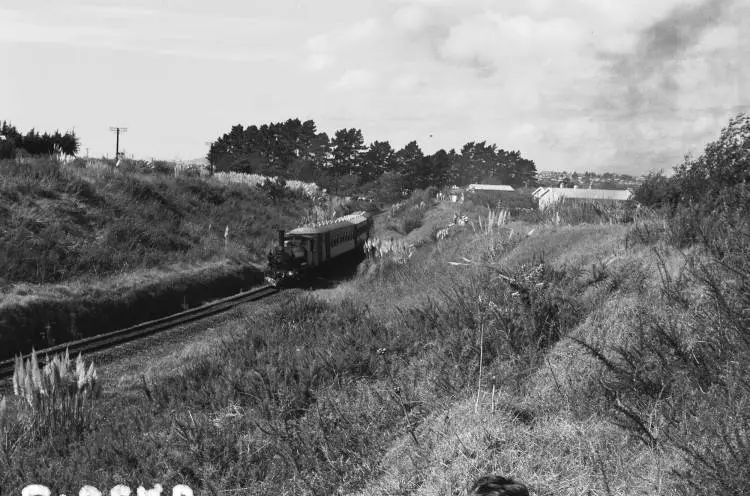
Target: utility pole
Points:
x,y
118,130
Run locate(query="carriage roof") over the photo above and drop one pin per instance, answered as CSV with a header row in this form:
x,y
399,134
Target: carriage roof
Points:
x,y
343,222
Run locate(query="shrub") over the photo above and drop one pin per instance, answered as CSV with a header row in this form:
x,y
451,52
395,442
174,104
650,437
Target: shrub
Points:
x,y
411,220
589,212
657,191
681,382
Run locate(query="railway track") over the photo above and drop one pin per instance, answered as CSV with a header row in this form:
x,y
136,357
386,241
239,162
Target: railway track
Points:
x,y
110,339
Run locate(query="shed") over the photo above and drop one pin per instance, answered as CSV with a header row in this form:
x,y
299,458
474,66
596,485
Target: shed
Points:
x,y
490,187
549,196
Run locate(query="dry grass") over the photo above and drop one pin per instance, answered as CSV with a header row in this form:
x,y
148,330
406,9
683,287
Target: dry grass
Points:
x,y
552,454
464,360
63,222
309,189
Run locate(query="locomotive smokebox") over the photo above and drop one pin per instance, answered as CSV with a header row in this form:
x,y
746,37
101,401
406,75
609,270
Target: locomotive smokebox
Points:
x,y
281,233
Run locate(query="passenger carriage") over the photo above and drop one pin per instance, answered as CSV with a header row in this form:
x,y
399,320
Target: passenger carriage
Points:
x,y
304,249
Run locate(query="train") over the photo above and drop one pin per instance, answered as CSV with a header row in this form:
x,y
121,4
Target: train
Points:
x,y
308,249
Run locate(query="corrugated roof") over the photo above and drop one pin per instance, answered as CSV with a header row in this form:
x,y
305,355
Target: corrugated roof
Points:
x,y
342,222
490,187
589,194
320,229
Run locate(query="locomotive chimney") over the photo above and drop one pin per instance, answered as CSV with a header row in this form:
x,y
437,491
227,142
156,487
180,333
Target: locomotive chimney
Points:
x,y
281,238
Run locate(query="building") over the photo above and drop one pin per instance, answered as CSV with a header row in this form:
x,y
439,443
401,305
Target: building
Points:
x,y
538,192
549,196
490,187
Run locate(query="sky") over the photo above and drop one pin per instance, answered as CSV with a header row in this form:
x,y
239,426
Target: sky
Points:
x,y
584,85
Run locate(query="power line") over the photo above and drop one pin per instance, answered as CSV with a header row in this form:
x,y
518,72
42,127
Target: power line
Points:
x,y
118,130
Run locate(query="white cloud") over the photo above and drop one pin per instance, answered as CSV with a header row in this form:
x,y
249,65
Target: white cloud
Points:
x,y
18,27
411,17
319,43
340,38
361,30
405,83
319,61
497,40
325,49
355,79
142,30
115,11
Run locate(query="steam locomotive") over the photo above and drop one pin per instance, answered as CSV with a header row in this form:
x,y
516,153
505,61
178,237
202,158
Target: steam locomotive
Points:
x,y
303,250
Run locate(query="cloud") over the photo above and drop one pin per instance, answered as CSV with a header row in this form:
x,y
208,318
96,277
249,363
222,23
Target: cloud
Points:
x,y
159,32
411,17
115,12
324,49
648,77
18,27
594,84
319,61
406,83
355,79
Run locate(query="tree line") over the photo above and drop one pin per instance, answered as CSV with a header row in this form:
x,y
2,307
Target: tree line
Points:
x,y
32,143
344,163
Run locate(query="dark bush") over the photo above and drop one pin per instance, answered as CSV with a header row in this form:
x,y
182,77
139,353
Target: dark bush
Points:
x,y
658,191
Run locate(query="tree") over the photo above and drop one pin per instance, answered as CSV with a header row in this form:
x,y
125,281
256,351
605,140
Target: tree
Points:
x,y
389,187
347,148
9,136
485,163
319,152
69,144
408,163
476,162
378,158
520,171
438,168
724,163
33,143
657,191
7,147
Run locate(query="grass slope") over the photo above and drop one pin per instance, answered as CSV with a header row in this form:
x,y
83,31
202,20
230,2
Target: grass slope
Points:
x,y
533,351
65,222
86,248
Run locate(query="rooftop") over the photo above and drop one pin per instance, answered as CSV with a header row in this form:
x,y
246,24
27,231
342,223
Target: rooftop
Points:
x,y
588,194
332,225
490,187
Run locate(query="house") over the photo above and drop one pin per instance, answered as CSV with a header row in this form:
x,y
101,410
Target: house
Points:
x,y
454,194
550,196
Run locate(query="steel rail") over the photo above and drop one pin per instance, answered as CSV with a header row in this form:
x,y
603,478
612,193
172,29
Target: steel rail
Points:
x,y
110,339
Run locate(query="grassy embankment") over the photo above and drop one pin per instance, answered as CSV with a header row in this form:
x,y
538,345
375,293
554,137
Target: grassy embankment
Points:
x,y
85,248
584,359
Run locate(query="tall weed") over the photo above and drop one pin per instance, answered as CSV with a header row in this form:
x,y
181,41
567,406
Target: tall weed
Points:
x,y
59,395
